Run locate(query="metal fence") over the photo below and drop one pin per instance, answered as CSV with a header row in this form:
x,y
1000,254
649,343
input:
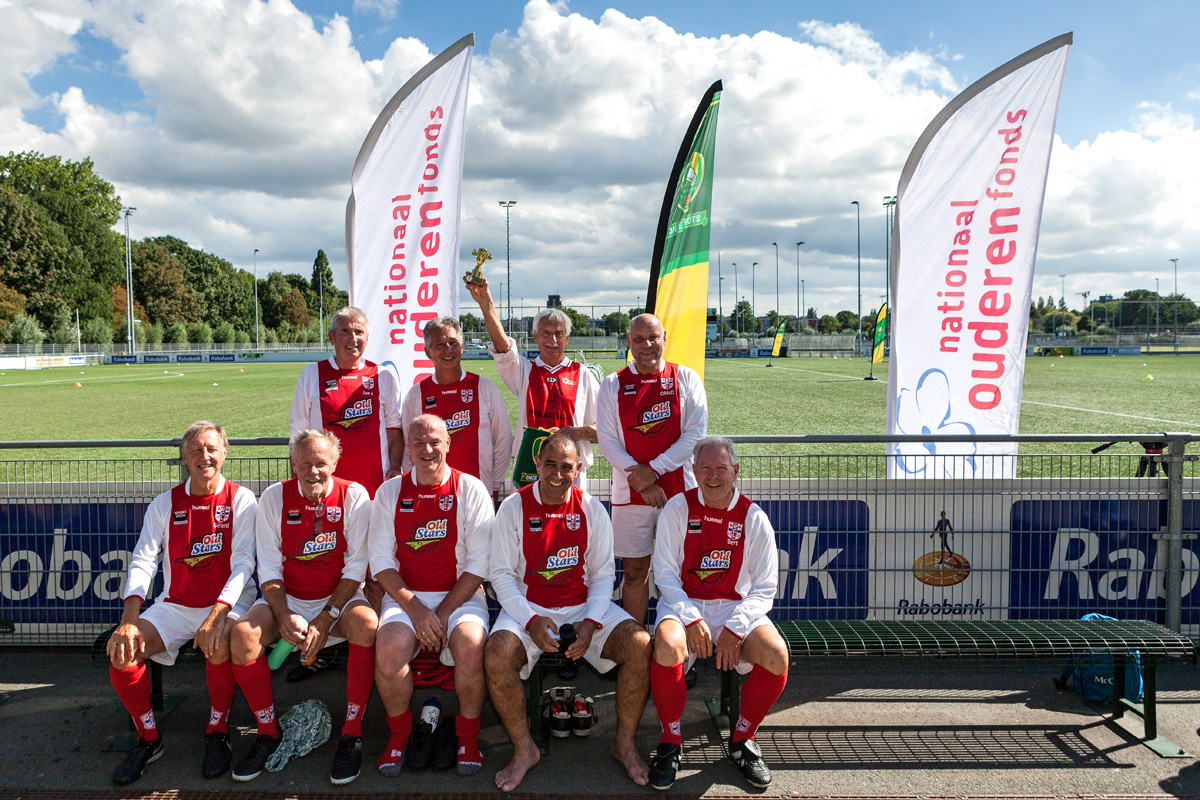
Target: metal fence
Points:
x,y
1052,535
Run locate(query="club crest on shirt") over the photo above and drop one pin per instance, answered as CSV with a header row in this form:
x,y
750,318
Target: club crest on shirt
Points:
x,y
355,414
333,513
572,522
179,517
734,532
222,514
467,395
201,550
446,502
431,533
368,383
560,562
458,421
653,417
666,383
712,564
331,384
318,545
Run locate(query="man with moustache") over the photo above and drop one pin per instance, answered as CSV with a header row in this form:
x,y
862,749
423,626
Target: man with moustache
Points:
x,y
651,415
471,405
203,530
715,565
552,391
312,559
429,551
552,564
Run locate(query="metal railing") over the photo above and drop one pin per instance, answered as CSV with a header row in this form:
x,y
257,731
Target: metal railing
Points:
x,y
1046,535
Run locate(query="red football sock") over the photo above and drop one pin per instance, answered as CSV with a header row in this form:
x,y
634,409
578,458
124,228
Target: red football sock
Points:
x,y
255,680
399,729
360,679
468,739
221,688
133,687
670,697
759,693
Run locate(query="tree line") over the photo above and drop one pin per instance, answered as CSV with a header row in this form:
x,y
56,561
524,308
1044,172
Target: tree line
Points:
x,y
61,261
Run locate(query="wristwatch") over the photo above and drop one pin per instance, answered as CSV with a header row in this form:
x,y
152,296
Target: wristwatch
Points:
x,y
333,613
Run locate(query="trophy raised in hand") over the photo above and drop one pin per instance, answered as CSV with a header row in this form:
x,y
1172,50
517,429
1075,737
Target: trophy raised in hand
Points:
x,y
475,276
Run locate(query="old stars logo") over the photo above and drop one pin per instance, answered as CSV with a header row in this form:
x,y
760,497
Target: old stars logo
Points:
x,y
653,418
354,415
317,546
201,551
712,564
559,563
431,533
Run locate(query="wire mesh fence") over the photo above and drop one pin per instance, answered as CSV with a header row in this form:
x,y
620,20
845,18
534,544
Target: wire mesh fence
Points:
x,y
1048,536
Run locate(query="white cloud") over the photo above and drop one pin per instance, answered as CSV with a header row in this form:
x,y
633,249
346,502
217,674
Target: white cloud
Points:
x,y
253,114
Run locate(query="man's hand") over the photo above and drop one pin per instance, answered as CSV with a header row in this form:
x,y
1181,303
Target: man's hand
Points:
x,y
393,472
543,630
654,496
728,650
699,639
208,635
583,631
431,632
292,628
314,638
480,292
641,477
125,644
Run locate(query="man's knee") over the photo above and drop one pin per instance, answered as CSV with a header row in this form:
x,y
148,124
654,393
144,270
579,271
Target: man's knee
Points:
x,y
503,652
361,625
637,570
670,644
630,644
395,646
467,642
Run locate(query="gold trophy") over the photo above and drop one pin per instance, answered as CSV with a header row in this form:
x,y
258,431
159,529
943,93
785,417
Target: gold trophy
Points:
x,y
475,276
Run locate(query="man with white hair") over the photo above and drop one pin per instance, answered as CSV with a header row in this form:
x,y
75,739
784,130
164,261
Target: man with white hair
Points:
x,y
651,414
203,531
430,531
552,391
312,559
471,405
716,566
356,400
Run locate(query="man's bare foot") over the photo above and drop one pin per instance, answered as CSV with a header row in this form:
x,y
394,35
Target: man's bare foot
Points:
x,y
627,754
523,760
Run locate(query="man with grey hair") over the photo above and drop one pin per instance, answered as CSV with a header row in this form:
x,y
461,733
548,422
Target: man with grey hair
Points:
x,y
715,565
356,400
552,391
651,414
471,405
312,559
203,532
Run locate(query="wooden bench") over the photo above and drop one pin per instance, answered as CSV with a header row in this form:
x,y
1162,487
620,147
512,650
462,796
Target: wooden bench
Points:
x,y
990,639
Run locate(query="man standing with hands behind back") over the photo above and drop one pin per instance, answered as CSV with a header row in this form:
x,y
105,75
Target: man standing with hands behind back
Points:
x,y
651,415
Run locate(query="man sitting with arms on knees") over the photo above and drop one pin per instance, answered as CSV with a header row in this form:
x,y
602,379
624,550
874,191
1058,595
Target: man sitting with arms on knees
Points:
x,y
312,558
715,566
204,531
552,563
429,551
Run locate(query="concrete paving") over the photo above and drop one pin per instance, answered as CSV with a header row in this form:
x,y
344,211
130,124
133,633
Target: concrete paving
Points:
x,y
842,728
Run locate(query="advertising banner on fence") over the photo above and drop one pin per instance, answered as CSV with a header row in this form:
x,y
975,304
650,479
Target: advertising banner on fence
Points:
x,y
966,233
402,220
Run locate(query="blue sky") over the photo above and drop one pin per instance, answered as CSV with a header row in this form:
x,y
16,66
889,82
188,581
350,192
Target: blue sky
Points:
x,y
234,125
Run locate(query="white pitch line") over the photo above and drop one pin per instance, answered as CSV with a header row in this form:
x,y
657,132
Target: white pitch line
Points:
x,y
122,379
1109,413
809,371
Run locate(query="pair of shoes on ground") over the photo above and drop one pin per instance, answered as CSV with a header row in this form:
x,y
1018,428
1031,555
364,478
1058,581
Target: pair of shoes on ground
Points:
x,y
325,659
745,754
217,758
571,715
433,747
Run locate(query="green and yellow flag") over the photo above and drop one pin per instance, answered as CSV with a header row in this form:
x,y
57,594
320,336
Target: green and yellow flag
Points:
x,y
678,291
778,344
880,335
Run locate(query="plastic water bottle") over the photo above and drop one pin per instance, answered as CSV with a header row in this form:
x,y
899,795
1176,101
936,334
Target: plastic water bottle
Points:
x,y
280,652
431,713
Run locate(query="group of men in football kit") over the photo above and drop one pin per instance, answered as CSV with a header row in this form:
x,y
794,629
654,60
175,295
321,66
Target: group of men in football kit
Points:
x,y
388,533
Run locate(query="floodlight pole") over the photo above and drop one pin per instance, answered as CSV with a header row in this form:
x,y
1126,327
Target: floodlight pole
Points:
x,y
778,312
736,307
858,323
257,337
129,337
799,309
720,302
507,206
1063,300
753,298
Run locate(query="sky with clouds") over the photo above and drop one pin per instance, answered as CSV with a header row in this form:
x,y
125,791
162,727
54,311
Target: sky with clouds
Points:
x,y
234,124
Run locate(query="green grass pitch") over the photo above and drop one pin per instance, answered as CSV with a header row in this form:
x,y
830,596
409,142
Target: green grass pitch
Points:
x,y
795,396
